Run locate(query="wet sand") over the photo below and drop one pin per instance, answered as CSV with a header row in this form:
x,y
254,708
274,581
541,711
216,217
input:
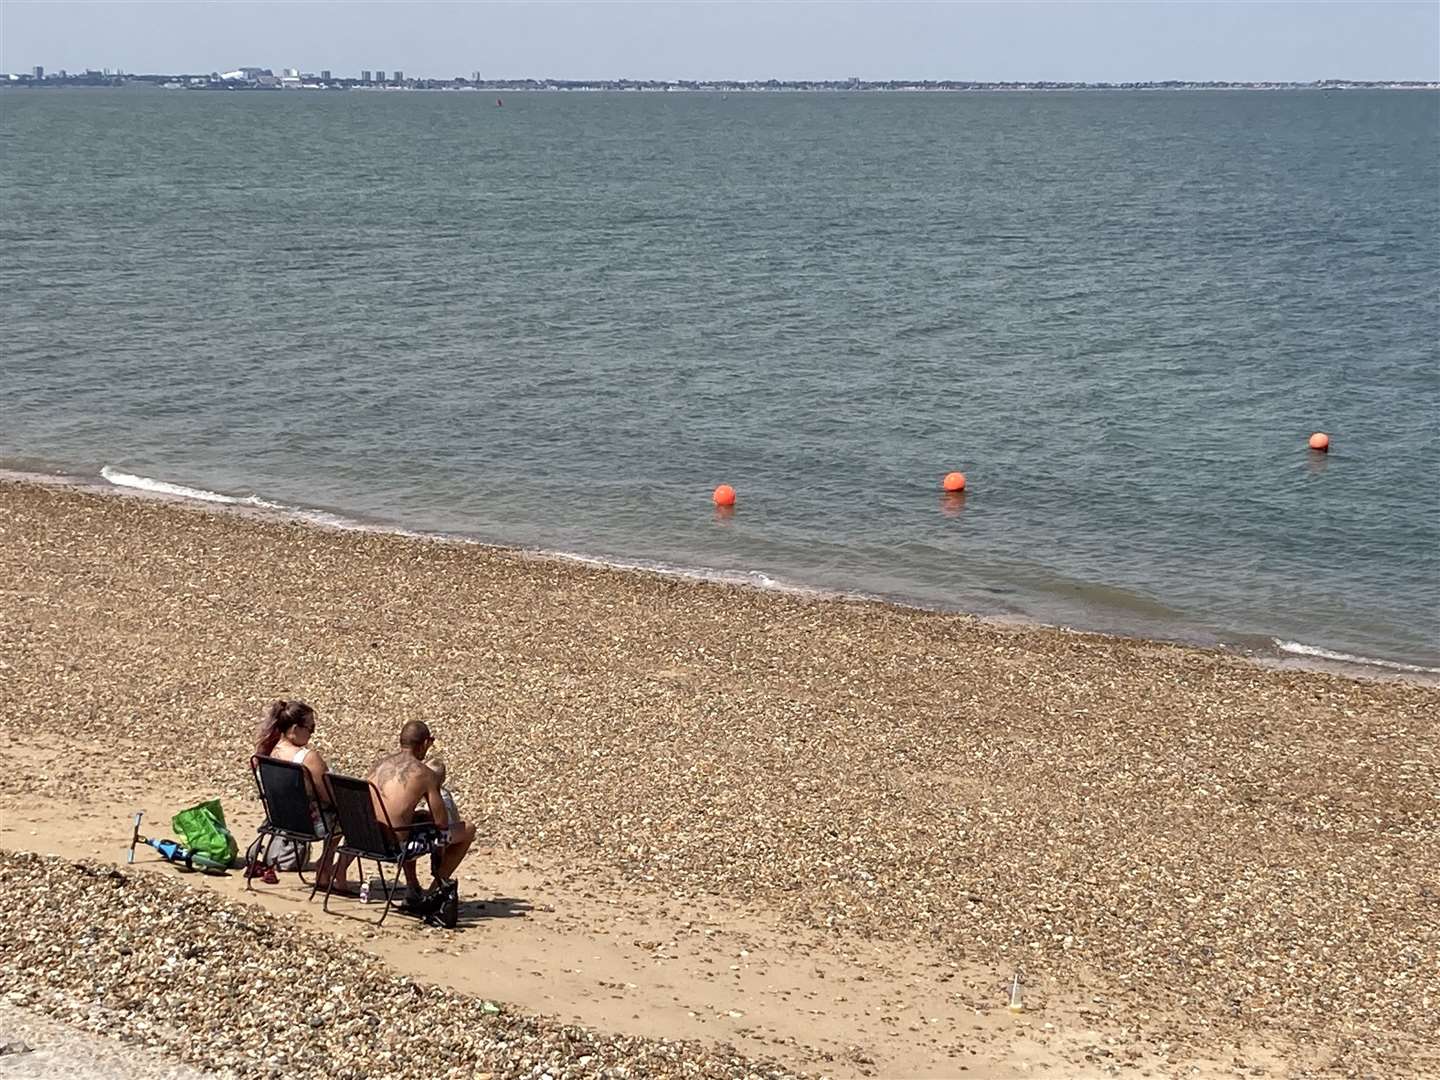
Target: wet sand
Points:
x,y
1186,854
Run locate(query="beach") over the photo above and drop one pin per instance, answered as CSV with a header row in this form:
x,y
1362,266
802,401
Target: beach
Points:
x,y
1191,860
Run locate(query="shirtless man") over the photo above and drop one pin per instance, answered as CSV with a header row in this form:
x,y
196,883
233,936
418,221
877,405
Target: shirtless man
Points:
x,y
403,781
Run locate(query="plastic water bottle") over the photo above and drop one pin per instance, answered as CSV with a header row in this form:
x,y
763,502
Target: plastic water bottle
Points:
x,y
365,891
1017,1002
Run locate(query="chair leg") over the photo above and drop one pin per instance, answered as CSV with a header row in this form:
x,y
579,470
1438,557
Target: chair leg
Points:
x,y
389,893
325,852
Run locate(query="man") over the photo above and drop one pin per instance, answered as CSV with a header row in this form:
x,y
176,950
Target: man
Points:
x,y
404,781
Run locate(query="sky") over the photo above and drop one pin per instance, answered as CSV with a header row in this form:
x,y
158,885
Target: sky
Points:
x,y
1301,40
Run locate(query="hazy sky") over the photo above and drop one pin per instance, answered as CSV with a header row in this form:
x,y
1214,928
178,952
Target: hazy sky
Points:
x,y
1149,39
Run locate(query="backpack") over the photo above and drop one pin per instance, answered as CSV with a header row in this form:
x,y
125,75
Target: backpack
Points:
x,y
285,854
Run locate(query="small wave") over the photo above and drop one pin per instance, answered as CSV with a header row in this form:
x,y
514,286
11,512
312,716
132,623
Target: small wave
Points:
x,y
757,579
180,491
308,514
1299,648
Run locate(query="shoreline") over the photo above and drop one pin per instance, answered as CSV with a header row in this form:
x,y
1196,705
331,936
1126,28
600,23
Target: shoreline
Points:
x,y
1278,655
1192,851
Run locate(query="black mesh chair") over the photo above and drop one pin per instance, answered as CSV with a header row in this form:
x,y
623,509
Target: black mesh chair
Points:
x,y
291,809
368,833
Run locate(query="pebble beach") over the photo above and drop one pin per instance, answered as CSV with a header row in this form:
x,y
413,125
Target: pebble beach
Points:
x,y
176,969
1203,848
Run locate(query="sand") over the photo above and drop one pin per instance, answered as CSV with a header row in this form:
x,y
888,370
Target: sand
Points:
x,y
1195,862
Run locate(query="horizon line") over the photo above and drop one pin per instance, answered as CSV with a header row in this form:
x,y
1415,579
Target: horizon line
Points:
x,y
58,73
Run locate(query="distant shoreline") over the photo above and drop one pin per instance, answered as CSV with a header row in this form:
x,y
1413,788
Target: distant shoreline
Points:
x,y
270,82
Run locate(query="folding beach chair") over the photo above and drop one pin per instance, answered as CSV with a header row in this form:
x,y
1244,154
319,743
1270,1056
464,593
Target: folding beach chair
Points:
x,y
368,834
291,810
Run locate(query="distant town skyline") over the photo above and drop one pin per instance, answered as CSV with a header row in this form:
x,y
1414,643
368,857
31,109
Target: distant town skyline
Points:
x,y
1149,40
263,78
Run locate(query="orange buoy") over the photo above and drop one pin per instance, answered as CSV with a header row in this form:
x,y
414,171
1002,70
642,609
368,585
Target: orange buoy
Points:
x,y
954,481
724,495
1320,441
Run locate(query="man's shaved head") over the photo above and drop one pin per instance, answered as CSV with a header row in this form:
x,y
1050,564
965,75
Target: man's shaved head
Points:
x,y
414,734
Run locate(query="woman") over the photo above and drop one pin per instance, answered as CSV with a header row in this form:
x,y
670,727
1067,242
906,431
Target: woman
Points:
x,y
285,731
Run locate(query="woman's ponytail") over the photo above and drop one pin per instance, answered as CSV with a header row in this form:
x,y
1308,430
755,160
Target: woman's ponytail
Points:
x,y
278,718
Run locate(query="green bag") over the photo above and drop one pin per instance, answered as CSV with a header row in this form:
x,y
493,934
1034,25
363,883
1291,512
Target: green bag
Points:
x,y
205,833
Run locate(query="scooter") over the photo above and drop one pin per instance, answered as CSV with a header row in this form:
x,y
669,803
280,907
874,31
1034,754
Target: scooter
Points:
x,y
172,851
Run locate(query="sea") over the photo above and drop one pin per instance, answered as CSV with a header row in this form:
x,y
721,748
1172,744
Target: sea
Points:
x,y
556,321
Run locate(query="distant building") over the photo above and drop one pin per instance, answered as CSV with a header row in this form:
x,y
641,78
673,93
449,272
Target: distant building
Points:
x,y
475,76
324,74
244,74
62,73
365,76
380,75
399,75
39,72
290,73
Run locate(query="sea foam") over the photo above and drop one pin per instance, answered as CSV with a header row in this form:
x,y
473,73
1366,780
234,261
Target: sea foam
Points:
x,y
1299,648
180,491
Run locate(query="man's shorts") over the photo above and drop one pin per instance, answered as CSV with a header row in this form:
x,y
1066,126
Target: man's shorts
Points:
x,y
325,820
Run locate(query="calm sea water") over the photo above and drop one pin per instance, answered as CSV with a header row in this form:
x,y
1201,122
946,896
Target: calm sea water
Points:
x,y
560,323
